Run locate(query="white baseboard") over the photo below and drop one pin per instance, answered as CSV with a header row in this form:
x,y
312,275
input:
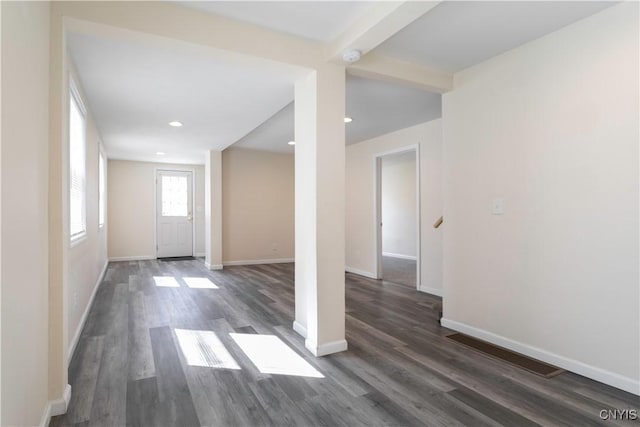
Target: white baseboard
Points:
x,y
360,272
46,416
432,291
327,348
132,258
300,329
399,256
213,266
56,407
259,261
615,380
83,319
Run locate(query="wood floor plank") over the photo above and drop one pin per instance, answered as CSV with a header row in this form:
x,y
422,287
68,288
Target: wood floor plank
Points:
x,y
143,403
176,404
491,409
130,369
86,377
109,404
141,363
400,271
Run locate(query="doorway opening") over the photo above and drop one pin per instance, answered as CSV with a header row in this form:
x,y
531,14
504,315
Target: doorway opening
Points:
x,y
174,214
398,216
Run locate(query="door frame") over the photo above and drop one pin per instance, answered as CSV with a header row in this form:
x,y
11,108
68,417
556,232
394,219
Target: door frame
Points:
x,y
155,204
377,209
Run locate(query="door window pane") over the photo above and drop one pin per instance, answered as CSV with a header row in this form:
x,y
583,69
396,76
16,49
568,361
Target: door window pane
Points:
x,y
174,196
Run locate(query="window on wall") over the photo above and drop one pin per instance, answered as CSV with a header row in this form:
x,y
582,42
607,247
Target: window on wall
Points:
x,y
77,165
102,184
174,195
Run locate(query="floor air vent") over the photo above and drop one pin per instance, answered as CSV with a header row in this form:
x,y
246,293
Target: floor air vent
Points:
x,y
516,359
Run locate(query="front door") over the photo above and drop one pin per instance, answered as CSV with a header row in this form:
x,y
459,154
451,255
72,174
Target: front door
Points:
x,y
174,212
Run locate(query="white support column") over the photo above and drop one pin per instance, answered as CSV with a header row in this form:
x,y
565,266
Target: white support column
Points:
x,y
213,210
320,209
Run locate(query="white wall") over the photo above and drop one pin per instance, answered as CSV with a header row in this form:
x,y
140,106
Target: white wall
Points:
x,y
398,205
24,177
552,128
257,206
87,259
360,212
131,202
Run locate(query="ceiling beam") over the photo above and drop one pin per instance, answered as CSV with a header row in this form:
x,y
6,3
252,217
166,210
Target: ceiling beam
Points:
x,y
387,69
189,25
383,21
167,21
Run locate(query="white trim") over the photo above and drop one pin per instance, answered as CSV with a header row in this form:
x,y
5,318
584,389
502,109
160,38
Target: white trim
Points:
x,y
132,258
377,209
399,256
259,261
611,378
102,202
360,272
432,291
77,238
75,92
193,204
83,319
300,329
377,213
213,266
200,254
327,348
76,98
56,407
46,416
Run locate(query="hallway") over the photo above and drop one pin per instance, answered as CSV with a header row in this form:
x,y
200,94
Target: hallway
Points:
x,y
159,332
400,271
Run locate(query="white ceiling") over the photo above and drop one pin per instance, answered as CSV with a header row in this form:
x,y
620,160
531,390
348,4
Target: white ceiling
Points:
x,y
380,107
457,34
134,90
135,86
316,20
376,107
273,134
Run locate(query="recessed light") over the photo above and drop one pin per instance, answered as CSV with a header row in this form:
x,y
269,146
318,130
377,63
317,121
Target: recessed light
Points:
x,y
348,119
291,143
175,124
160,153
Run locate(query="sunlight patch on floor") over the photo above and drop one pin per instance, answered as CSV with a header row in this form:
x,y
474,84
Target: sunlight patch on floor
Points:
x,y
272,356
199,283
204,348
166,281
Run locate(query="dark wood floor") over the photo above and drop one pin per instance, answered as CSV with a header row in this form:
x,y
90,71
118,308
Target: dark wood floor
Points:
x,y
400,271
129,368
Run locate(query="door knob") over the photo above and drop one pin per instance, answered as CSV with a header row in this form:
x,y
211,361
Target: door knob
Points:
x,y
190,216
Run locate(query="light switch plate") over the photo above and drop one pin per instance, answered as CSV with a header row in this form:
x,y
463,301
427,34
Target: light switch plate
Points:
x,y
497,207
